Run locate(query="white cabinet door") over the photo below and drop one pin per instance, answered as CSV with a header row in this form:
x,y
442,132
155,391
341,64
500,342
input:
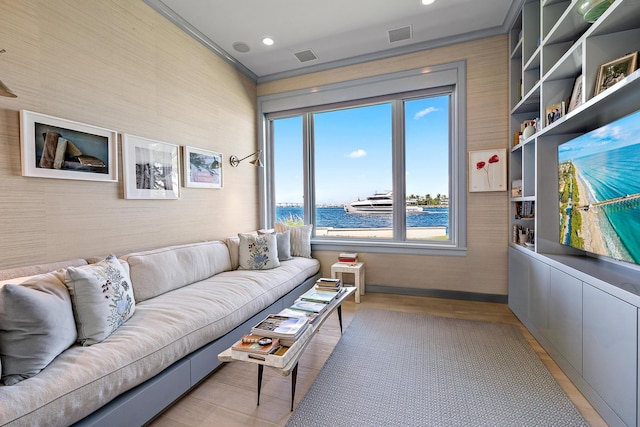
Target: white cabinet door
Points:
x,y
610,343
565,316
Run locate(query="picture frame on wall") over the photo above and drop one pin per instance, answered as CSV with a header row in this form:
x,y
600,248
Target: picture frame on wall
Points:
x,y
52,147
201,168
151,168
488,170
614,71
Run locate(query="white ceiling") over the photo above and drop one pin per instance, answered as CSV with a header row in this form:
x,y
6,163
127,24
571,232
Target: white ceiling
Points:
x,y
337,31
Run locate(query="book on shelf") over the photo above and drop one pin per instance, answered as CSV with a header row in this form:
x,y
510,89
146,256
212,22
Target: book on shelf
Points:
x,y
309,306
315,295
251,344
348,257
283,327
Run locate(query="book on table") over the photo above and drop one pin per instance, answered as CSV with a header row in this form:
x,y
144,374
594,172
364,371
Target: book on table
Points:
x,y
309,306
254,344
297,313
315,295
348,257
326,284
283,327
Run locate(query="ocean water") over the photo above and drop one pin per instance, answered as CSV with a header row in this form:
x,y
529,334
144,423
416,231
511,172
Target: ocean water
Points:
x,y
611,174
336,217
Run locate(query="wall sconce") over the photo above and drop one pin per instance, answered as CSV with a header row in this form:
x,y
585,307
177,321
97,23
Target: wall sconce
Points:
x,y
4,90
257,162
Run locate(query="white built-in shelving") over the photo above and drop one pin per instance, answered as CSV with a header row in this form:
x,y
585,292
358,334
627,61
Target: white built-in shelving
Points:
x,y
584,310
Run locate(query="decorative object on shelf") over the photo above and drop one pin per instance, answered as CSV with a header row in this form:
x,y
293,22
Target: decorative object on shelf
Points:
x,y
57,148
256,162
529,130
201,168
576,95
488,170
591,10
616,70
554,112
151,169
4,90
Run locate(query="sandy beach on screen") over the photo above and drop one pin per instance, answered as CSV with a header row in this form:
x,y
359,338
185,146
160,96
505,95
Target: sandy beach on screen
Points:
x,y
591,234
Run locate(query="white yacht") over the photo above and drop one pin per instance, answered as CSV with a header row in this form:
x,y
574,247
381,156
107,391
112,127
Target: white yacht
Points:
x,y
378,203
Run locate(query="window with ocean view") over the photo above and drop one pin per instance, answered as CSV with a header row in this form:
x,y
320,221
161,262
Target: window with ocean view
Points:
x,y
385,171
353,180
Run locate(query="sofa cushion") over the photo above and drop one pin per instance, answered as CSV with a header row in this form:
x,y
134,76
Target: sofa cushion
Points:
x,y
300,238
102,298
36,325
283,240
258,252
233,244
162,270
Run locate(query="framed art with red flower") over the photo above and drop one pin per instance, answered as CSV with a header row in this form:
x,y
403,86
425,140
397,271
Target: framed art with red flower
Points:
x,y
488,170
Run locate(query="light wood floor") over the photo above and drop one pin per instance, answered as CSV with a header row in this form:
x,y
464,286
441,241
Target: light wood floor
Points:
x,y
228,397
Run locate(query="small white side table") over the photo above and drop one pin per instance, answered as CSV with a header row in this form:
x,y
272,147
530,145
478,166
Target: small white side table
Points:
x,y
355,268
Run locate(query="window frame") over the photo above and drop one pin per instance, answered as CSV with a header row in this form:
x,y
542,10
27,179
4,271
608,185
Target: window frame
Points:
x,y
395,87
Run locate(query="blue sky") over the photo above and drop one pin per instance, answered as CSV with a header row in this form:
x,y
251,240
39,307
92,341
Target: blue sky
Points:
x,y
618,134
353,152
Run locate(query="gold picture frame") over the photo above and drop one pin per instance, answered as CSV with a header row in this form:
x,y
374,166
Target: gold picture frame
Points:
x,y
614,71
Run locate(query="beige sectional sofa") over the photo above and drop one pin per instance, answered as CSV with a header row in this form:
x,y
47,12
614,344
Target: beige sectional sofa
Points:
x,y
190,304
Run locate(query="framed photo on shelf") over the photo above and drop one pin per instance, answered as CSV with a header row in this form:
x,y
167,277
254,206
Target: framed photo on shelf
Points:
x,y
554,112
52,147
151,168
488,170
201,168
576,95
614,71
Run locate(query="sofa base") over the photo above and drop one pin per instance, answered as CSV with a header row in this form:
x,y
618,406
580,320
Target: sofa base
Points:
x,y
145,402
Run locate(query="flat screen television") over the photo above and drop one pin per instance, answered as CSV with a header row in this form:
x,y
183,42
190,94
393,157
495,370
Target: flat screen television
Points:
x,y
599,190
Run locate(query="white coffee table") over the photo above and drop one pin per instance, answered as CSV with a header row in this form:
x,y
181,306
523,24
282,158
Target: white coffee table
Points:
x,y
297,349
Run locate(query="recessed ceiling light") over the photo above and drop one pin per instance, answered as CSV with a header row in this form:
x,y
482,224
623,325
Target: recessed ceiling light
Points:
x,y
267,41
426,2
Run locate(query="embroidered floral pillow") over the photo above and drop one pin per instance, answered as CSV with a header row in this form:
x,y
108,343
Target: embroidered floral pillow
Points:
x,y
258,252
102,298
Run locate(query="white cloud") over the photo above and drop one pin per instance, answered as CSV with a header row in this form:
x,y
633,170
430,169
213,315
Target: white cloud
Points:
x,y
357,154
424,112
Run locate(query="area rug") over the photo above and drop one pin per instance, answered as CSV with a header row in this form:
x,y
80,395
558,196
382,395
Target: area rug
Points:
x,y
404,369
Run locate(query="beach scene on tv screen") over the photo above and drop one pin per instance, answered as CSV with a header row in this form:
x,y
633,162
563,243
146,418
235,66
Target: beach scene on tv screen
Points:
x,y
599,190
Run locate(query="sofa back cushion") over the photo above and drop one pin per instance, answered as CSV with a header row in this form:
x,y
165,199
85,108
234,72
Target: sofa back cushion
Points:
x,y
36,324
162,270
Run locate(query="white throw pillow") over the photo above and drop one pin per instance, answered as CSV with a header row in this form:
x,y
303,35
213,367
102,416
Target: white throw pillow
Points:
x,y
258,252
102,298
300,238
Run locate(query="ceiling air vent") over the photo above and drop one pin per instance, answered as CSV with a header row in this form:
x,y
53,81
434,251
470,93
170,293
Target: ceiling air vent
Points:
x,y
400,34
305,55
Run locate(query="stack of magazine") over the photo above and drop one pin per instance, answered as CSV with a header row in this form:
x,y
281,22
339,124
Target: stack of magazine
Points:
x,y
312,303
286,328
328,284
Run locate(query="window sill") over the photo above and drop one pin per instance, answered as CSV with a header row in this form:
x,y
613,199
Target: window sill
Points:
x,y
388,247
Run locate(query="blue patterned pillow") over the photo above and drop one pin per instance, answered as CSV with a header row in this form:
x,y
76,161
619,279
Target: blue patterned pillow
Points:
x,y
102,298
258,252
